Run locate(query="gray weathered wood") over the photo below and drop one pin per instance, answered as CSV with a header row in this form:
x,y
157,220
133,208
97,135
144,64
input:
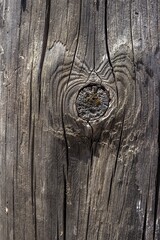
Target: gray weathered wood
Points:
x,y
61,177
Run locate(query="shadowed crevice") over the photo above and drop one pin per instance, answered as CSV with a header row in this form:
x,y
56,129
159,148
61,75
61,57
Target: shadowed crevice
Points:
x,y
64,206
144,224
44,46
157,186
23,5
107,47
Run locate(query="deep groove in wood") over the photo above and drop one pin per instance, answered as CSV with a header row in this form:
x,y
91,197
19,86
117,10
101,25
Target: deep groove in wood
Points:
x,y
44,46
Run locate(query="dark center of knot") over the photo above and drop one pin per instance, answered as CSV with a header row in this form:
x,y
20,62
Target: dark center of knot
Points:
x,y
92,102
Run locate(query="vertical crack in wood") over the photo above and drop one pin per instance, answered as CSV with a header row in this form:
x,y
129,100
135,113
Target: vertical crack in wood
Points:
x,y
33,178
88,177
88,198
134,64
107,47
15,171
57,228
35,211
88,202
91,147
94,43
30,103
157,185
44,46
116,160
23,5
64,206
65,172
87,225
65,135
5,165
119,144
32,163
13,202
144,223
146,211
18,51
97,5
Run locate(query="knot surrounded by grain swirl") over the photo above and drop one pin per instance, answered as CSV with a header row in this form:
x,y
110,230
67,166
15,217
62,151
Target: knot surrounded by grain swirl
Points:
x,y
92,102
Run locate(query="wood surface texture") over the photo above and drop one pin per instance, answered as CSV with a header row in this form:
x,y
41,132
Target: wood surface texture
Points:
x,y
63,177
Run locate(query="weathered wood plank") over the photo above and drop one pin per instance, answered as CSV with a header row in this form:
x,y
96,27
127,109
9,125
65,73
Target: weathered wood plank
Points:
x,y
64,177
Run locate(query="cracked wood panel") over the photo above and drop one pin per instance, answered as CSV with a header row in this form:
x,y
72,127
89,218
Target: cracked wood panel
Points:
x,y
63,177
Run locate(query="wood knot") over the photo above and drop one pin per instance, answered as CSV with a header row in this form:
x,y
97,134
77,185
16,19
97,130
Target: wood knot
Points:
x,y
92,102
